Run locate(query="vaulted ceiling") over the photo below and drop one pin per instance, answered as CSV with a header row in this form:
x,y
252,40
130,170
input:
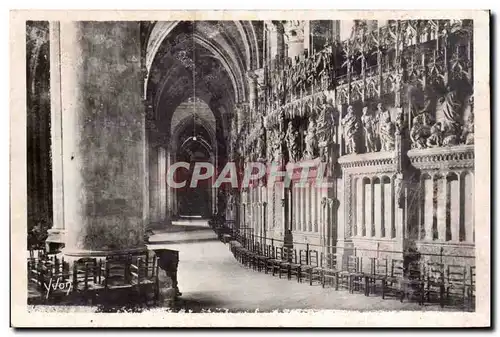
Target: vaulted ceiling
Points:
x,y
203,59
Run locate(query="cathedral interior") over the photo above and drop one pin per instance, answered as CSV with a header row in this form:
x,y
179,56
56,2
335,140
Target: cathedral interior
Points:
x,y
386,106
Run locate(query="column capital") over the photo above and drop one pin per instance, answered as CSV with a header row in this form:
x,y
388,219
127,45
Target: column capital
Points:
x,y
274,26
294,30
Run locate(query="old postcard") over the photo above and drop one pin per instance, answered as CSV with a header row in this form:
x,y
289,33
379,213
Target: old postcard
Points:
x,y
259,168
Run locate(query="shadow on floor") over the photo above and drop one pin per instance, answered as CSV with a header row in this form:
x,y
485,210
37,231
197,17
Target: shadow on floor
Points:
x,y
182,228
157,241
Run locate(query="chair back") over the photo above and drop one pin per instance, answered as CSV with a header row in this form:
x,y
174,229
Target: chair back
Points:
x,y
289,254
117,271
379,266
313,258
397,268
303,259
278,253
435,272
456,275
472,276
354,264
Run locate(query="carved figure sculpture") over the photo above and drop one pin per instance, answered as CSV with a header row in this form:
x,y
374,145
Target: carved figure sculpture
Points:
x,y
291,142
386,129
311,141
350,126
270,150
276,139
420,130
436,138
369,126
326,122
261,142
468,130
450,106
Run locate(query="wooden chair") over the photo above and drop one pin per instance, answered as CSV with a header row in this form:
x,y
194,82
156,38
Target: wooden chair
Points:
x,y
455,284
307,270
352,277
117,272
256,253
435,281
413,282
331,266
142,283
263,257
295,266
379,272
87,280
288,258
471,287
403,284
303,260
276,260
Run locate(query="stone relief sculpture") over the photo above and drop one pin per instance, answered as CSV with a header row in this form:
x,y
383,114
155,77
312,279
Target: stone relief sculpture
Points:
x,y
274,145
386,129
468,130
436,138
369,127
311,141
450,105
326,122
420,130
269,145
350,126
291,142
261,142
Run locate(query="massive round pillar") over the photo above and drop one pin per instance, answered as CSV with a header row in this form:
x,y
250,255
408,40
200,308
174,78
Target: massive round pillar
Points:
x,y
103,138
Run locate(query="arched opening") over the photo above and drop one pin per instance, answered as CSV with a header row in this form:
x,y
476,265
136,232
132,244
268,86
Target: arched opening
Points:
x,y
195,199
197,74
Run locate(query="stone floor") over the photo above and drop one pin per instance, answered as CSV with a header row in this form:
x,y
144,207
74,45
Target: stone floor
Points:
x,y
211,279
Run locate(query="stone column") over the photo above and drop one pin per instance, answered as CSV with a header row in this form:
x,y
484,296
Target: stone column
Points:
x,y
103,137
56,233
294,33
441,208
170,204
346,29
154,185
336,30
252,92
276,43
162,181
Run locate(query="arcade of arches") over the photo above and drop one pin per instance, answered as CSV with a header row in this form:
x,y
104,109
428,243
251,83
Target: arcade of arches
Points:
x,y
387,106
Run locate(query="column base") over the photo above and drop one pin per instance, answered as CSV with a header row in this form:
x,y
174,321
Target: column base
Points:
x,y
75,254
55,240
345,249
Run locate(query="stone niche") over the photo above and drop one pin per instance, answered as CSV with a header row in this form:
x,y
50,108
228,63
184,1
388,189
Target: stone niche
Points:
x,y
373,220
444,219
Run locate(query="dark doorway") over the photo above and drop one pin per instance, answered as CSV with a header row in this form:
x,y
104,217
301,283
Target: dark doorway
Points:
x,y
194,201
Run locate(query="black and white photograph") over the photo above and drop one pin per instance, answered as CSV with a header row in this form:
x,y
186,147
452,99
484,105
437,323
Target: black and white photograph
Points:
x,y
253,166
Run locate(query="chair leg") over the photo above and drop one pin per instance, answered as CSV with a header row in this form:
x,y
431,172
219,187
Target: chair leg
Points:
x,y
441,295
